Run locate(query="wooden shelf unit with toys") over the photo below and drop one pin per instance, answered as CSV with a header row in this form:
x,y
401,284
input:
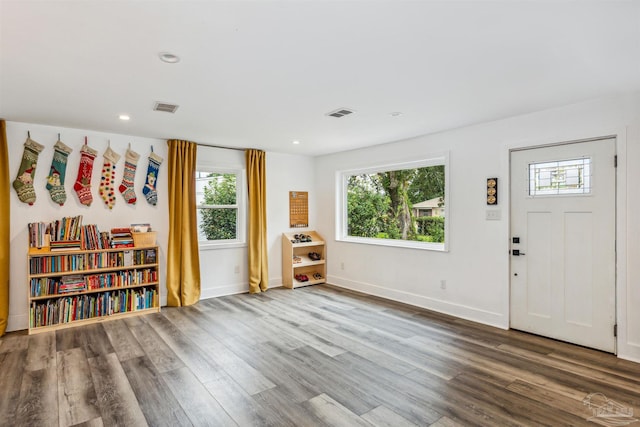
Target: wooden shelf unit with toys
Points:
x,y
303,259
71,286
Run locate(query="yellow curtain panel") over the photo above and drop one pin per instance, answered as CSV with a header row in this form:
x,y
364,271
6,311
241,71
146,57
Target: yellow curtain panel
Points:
x,y
183,261
257,250
4,228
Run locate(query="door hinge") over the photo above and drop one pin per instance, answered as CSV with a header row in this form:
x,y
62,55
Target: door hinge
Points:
x,y
615,161
615,330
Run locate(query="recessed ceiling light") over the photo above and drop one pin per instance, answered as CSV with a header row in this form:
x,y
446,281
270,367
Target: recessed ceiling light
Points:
x,y
124,117
296,142
169,58
395,114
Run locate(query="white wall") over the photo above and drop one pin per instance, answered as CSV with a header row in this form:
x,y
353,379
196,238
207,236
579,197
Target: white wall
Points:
x,y
46,210
476,268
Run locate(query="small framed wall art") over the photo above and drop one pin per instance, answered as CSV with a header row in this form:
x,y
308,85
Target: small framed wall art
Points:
x,y
298,209
492,191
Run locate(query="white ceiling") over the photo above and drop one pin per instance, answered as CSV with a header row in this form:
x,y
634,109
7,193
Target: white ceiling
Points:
x,y
264,73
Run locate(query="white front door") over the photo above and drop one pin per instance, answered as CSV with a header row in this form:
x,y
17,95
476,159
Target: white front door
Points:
x,y
563,201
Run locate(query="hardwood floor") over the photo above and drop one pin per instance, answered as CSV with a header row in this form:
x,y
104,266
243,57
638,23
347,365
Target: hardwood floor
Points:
x,y
314,356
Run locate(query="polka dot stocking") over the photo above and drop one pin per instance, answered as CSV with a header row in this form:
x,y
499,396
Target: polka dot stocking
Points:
x,y
107,179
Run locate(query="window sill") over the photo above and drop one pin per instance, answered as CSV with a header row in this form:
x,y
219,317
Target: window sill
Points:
x,y
409,244
208,246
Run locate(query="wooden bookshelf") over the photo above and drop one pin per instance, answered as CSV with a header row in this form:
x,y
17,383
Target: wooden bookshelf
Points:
x,y
118,282
296,260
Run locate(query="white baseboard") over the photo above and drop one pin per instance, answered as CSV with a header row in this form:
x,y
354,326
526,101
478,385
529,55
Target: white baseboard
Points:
x,y
629,351
497,320
234,289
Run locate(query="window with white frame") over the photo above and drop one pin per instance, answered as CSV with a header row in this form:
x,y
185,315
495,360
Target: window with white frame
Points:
x,y
220,206
401,204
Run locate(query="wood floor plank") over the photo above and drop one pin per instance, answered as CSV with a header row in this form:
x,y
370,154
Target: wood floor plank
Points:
x,y
160,407
400,393
333,413
382,359
385,417
12,369
96,422
158,351
503,404
38,404
199,405
280,401
294,329
122,340
245,375
14,341
629,384
273,362
42,352
66,339
244,410
95,340
76,393
336,379
115,397
185,349
446,422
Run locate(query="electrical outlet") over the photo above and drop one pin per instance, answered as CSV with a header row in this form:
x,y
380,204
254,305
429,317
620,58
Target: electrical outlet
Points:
x,y
342,266
237,269
443,284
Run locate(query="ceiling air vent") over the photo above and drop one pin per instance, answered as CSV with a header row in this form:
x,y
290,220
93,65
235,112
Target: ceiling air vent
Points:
x,y
340,113
163,106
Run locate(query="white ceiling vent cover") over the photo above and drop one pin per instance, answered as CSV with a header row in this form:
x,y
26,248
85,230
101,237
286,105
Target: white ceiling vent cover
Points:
x,y
165,107
341,112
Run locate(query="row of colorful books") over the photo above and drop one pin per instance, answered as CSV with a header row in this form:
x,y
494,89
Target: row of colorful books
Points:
x,y
87,306
90,261
55,286
69,234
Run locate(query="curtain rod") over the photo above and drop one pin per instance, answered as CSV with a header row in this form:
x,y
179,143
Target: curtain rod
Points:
x,y
220,146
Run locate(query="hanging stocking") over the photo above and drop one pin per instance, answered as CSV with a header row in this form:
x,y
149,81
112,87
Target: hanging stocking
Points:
x,y
55,180
107,191
126,188
24,182
82,185
149,189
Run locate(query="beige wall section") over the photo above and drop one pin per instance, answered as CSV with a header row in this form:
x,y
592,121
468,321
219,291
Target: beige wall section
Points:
x,y
476,268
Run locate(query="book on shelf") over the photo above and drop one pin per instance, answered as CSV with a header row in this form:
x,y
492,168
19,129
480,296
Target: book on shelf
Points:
x,y
121,237
73,283
65,245
150,256
128,258
38,234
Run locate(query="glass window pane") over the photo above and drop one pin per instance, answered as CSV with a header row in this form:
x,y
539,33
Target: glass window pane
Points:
x,y
219,189
403,204
217,224
560,178
215,188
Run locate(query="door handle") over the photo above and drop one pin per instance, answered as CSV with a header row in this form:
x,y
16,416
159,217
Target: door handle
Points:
x,y
517,252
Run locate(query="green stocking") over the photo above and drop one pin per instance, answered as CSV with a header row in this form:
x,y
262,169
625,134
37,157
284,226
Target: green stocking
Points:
x,y
24,182
55,180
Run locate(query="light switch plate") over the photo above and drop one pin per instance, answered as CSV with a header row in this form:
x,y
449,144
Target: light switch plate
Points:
x,y
493,215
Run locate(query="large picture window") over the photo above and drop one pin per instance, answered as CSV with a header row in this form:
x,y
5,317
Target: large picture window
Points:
x,y
396,205
219,206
